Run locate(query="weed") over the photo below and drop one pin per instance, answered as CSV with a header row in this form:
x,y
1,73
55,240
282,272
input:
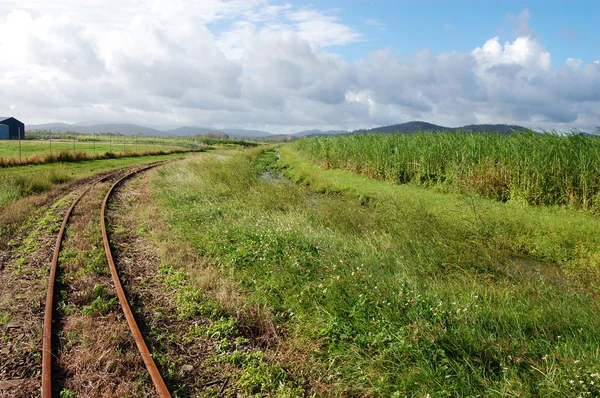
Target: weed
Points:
x,y
259,377
222,329
100,306
5,317
66,393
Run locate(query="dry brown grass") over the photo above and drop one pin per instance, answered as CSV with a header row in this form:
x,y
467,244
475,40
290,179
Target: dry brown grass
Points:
x,y
491,182
101,358
78,156
96,354
23,283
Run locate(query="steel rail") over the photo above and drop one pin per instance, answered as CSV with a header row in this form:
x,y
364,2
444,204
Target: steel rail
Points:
x,y
157,380
47,330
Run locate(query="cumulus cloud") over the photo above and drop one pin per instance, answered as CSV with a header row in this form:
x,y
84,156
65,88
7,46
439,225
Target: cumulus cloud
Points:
x,y
524,52
249,63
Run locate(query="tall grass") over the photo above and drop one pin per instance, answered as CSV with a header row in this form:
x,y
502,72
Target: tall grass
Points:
x,y
539,169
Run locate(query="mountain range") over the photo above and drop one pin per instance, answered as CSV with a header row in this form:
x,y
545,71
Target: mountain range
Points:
x,y
132,129
414,127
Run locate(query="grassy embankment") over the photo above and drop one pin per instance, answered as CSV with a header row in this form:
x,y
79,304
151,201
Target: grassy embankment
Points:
x,y
539,169
388,290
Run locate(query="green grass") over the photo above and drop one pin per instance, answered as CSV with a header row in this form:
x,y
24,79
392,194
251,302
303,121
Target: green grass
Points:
x,y
10,149
39,144
539,169
21,181
397,290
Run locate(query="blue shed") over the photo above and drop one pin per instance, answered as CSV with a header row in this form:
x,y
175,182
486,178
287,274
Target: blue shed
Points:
x,y
13,126
4,132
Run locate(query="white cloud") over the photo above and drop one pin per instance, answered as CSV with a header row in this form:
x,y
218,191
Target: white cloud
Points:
x,y
267,66
524,52
376,23
574,63
321,29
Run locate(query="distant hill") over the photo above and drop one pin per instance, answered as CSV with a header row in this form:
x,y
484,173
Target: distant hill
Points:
x,y
57,127
416,126
307,133
132,129
245,133
189,130
276,138
497,128
123,128
237,133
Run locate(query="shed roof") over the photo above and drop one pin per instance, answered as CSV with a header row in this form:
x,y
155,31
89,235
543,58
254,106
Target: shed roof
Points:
x,y
3,118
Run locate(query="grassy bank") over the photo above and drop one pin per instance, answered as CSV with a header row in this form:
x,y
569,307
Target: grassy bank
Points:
x,y
394,290
539,169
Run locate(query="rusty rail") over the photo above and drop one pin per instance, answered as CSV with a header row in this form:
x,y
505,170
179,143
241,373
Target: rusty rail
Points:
x,y
47,329
157,380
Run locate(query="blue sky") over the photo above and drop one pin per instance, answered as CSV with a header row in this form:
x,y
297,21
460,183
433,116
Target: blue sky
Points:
x,y
285,66
567,29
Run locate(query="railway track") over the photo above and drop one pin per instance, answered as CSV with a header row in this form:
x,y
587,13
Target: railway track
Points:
x,y
155,376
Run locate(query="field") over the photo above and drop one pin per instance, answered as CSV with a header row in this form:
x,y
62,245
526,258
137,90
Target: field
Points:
x,y
423,265
22,181
10,149
25,190
539,169
386,290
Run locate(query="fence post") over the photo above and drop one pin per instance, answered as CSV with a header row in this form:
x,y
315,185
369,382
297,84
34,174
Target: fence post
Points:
x,y
20,160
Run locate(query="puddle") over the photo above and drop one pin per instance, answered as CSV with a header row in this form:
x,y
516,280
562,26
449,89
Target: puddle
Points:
x,y
527,268
274,175
269,175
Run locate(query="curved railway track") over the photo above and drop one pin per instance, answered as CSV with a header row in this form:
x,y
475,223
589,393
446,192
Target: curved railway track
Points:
x,y
155,376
